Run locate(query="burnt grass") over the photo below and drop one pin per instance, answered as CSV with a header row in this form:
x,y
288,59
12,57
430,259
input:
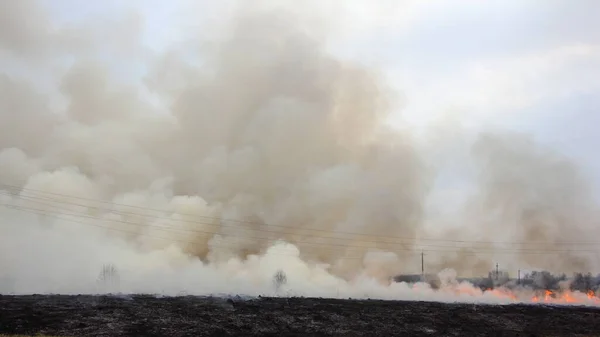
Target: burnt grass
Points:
x,y
208,316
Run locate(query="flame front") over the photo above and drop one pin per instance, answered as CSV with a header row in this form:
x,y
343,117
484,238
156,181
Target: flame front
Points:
x,y
528,296
567,297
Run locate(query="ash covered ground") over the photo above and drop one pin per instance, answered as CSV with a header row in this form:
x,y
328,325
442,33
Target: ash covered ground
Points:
x,y
213,316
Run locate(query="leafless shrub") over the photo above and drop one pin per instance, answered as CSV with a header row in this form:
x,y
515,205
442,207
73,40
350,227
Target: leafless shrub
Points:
x,y
109,279
279,280
583,282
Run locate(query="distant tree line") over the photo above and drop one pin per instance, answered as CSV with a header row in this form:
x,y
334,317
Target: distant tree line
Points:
x,y
537,280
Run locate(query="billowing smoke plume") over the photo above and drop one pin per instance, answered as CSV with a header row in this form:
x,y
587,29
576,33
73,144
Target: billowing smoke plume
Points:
x,y
259,150
530,204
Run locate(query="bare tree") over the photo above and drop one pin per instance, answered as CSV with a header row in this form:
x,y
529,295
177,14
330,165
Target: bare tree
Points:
x,y
546,281
582,282
108,278
279,279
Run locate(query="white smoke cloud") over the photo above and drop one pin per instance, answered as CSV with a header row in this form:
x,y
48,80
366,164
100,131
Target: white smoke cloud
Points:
x,y
174,178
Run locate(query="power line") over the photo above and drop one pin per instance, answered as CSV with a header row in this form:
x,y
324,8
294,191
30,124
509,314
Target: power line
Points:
x,y
270,225
409,252
175,229
276,232
33,199
17,208
200,232
171,229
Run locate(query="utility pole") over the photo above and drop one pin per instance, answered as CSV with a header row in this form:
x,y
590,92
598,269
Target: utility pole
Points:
x,y
496,271
422,266
519,276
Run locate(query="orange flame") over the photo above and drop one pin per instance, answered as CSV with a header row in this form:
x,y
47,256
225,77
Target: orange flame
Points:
x,y
547,296
566,297
591,295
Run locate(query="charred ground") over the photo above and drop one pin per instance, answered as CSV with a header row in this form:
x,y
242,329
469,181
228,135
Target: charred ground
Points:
x,y
203,316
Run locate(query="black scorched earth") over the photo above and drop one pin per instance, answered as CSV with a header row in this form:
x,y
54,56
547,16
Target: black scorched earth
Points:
x,y
204,316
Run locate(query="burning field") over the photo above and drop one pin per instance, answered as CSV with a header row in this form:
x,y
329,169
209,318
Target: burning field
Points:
x,y
206,316
255,154
451,309
565,297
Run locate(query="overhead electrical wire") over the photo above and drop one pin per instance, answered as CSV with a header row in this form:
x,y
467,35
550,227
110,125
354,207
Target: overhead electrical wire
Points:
x,y
404,251
463,250
228,221
212,233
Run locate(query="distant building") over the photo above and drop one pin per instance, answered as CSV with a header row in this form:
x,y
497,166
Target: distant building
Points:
x,y
432,279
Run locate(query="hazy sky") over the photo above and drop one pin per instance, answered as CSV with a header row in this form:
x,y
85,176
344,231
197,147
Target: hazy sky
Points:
x,y
520,64
527,64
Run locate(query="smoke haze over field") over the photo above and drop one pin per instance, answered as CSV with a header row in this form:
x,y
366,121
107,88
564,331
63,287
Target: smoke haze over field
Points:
x,y
256,148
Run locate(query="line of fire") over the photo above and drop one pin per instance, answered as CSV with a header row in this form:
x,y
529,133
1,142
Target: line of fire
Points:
x,y
542,286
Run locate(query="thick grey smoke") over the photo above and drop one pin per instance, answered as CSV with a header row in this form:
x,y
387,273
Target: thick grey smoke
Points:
x,y
528,203
535,195
262,125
